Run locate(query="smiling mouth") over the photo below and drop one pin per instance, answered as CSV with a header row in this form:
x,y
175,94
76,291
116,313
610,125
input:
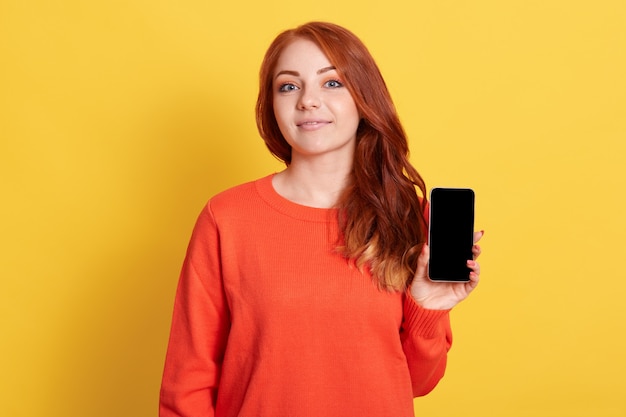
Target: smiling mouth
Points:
x,y
312,124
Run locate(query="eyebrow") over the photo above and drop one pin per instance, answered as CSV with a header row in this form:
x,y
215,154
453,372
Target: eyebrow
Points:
x,y
297,74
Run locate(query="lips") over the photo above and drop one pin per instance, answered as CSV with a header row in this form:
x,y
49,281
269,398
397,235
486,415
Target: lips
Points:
x,y
312,124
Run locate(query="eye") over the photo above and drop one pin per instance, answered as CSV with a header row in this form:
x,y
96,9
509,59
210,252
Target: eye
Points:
x,y
333,84
287,87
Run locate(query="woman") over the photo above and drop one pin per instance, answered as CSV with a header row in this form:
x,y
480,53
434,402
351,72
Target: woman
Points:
x,y
305,293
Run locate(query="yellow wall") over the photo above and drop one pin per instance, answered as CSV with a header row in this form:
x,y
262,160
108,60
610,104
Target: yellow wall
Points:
x,y
118,119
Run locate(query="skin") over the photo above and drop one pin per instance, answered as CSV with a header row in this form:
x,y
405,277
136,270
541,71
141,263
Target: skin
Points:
x,y
319,118
444,295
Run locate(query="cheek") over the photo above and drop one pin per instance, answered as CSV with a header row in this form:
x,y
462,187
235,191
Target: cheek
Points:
x,y
281,115
279,112
351,113
282,106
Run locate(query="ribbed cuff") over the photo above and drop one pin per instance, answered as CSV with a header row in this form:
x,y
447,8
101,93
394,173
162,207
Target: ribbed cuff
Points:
x,y
422,321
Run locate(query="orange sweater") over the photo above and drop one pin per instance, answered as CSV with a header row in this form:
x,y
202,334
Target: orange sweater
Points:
x,y
269,321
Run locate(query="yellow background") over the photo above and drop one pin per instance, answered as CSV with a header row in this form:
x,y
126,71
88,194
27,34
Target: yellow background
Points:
x,y
118,119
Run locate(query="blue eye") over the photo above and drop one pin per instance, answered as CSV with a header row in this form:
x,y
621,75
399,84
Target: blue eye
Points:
x,y
287,87
333,84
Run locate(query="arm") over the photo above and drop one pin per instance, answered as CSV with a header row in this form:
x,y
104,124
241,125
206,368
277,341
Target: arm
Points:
x,y
199,331
426,335
426,339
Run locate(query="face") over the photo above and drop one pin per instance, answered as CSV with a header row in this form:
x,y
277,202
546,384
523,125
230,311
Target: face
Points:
x,y
314,110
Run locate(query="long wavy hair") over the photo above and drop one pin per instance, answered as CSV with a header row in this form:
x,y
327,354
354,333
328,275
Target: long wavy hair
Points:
x,y
381,218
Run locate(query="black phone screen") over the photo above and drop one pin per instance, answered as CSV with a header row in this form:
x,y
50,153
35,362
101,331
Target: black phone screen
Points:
x,y
451,233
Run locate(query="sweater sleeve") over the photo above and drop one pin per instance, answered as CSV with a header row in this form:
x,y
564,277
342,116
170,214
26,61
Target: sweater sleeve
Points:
x,y
200,326
426,339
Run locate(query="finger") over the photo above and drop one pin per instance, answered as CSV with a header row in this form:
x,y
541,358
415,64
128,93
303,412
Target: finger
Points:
x,y
476,251
474,266
474,274
474,279
478,235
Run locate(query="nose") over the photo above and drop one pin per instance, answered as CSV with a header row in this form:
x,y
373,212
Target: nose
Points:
x,y
309,99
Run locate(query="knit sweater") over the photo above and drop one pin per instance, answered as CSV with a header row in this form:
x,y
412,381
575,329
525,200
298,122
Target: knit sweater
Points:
x,y
271,321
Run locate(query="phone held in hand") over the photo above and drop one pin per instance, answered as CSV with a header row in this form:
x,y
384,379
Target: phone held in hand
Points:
x,y
450,233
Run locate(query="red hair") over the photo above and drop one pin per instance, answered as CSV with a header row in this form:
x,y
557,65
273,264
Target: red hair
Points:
x,y
381,214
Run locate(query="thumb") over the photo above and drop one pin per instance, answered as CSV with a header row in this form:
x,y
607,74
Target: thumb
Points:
x,y
422,262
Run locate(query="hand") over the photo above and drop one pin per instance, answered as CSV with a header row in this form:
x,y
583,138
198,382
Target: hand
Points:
x,y
444,295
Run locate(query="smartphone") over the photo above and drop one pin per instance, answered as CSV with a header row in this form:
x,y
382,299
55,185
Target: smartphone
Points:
x,y
450,233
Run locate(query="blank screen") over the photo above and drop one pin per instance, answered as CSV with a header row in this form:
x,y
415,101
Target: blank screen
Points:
x,y
451,233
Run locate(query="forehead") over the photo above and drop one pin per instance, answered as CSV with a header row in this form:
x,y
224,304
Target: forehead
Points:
x,y
300,55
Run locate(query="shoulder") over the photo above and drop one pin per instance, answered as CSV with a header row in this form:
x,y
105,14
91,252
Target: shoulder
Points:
x,y
241,197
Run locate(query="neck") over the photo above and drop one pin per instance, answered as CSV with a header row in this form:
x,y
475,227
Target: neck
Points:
x,y
312,185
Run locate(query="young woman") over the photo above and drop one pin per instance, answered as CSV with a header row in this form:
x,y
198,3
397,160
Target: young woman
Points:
x,y
305,293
